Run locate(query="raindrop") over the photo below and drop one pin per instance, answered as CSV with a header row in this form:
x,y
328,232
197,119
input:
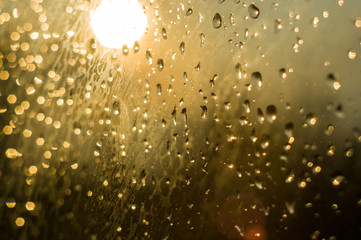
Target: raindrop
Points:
x,y
160,64
332,82
265,141
339,111
203,37
164,33
189,12
271,113
329,130
181,47
283,73
239,70
289,129
198,67
204,112
253,11
246,105
336,181
260,116
159,89
136,46
311,119
231,19
357,134
3,107
352,55
256,78
217,21
148,55
212,82
125,50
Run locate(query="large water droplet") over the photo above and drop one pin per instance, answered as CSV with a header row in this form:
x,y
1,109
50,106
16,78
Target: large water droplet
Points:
x,y
217,21
253,11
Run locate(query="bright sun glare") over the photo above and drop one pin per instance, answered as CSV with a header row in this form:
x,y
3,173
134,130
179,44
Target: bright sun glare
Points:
x,y
118,22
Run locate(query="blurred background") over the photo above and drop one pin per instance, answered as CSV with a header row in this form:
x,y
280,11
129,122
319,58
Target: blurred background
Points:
x,y
220,119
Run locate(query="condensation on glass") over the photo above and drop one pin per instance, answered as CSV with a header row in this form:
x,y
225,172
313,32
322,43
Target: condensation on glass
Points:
x,y
226,119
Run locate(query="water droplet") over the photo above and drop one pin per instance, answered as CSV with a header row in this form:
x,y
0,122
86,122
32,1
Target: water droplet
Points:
x,y
160,64
265,141
357,134
260,116
125,50
181,47
246,104
148,55
217,21
336,181
332,82
256,79
203,37
283,73
358,22
311,119
136,47
352,55
189,12
239,71
212,82
271,113
289,129
231,19
198,67
164,33
159,89
329,130
204,112
253,11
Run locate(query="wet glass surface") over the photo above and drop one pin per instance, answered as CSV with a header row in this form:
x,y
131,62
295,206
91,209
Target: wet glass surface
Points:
x,y
219,119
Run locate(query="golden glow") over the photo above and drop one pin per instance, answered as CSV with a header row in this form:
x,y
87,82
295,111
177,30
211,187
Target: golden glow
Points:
x,y
118,22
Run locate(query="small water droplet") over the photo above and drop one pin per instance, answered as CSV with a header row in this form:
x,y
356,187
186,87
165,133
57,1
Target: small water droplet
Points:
x,y
271,113
189,12
311,119
217,21
148,55
136,46
239,71
181,47
253,11
256,79
332,82
357,134
260,116
203,37
160,64
289,129
159,89
204,112
265,141
164,33
198,67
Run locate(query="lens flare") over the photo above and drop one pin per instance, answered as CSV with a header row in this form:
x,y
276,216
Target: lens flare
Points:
x,y
118,22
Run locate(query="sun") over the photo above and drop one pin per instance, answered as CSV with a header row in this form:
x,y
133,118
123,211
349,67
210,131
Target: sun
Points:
x,y
118,22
